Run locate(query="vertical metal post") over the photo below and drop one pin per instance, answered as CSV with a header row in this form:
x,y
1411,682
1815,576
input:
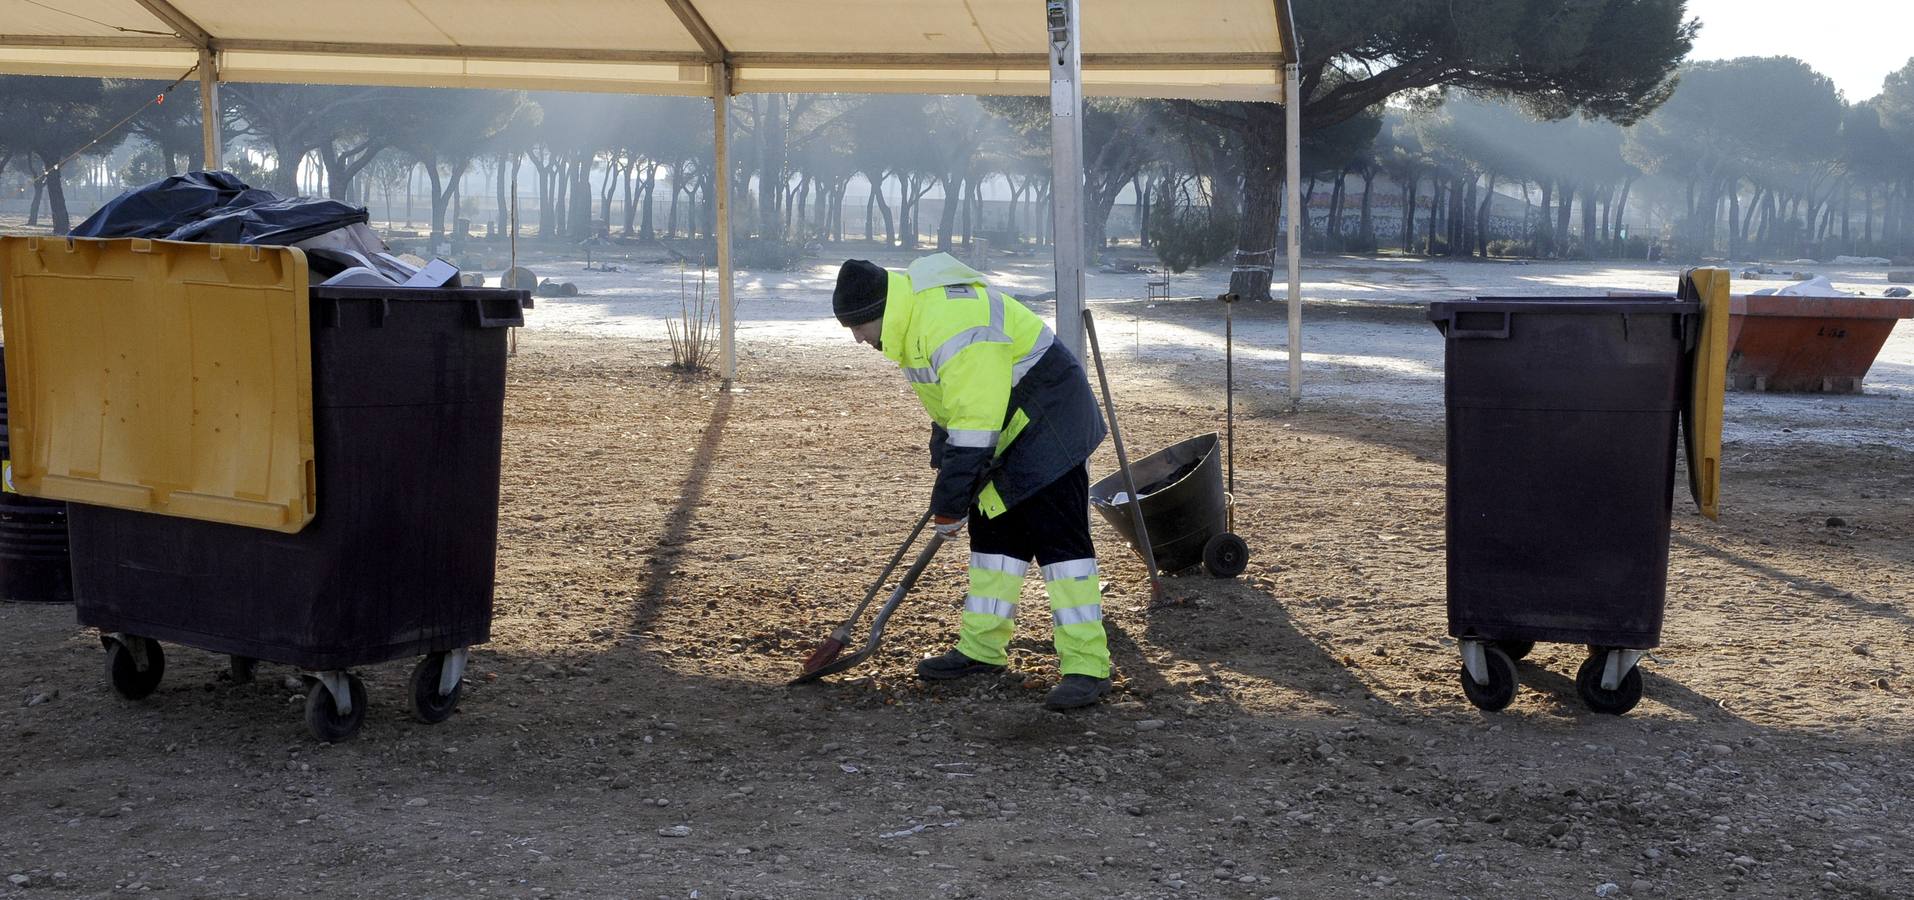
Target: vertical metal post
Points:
x,y
721,183
1292,124
1066,167
209,110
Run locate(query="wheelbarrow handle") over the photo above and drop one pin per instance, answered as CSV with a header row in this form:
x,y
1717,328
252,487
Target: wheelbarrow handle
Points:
x,y
1123,461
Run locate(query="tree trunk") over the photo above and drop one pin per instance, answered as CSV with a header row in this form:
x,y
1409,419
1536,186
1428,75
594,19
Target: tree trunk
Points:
x,y
1462,218
1262,202
947,221
438,205
906,208
1867,217
1545,223
883,209
1435,208
970,196
561,190
1482,219
1143,186
1621,216
1847,216
1366,224
581,218
645,231
1565,204
56,200
33,210
1608,209
1016,200
1409,213
631,210
837,210
1332,237
1764,208
1590,234
671,214
501,217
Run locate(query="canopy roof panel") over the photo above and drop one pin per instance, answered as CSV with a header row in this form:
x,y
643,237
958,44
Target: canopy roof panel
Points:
x,y
1199,49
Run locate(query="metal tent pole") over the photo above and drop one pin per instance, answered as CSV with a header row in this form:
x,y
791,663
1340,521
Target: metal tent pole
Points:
x,y
1066,167
1292,124
209,109
721,183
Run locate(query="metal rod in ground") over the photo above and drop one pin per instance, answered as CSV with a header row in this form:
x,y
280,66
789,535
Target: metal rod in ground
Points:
x,y
1229,385
1123,464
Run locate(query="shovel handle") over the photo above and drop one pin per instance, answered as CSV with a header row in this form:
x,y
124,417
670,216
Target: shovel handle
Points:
x,y
1123,460
904,586
889,567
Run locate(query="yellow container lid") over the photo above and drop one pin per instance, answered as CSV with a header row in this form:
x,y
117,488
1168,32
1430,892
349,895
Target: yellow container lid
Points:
x,y
158,376
1708,385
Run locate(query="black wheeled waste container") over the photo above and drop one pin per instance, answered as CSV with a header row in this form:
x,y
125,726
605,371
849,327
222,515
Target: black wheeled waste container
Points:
x,y
34,564
1562,427
408,390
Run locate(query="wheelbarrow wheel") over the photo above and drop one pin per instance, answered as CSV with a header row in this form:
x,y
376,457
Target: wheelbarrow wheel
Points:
x,y
1225,556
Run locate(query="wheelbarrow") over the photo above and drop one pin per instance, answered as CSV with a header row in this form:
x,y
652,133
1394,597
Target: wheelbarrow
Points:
x,y
1171,506
1185,509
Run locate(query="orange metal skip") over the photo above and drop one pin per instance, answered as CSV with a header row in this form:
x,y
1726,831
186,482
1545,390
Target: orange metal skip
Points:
x,y
1813,344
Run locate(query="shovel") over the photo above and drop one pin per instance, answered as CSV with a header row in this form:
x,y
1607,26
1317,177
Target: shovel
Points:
x,y
825,660
1158,595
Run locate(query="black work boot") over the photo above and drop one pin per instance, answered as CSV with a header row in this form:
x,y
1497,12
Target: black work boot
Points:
x,y
952,666
1076,691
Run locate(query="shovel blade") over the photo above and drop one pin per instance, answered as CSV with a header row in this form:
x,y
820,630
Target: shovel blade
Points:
x,y
843,664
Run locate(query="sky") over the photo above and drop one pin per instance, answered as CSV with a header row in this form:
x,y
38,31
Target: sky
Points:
x,y
1855,42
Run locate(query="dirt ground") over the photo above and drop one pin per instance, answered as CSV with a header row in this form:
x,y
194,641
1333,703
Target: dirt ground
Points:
x,y
669,553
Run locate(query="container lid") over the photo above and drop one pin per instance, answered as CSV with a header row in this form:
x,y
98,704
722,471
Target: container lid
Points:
x,y
163,377
1444,310
1702,410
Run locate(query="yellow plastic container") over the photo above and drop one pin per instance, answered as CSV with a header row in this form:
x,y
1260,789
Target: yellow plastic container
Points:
x,y
163,377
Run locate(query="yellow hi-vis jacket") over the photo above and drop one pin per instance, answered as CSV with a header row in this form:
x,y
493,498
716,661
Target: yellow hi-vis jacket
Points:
x,y
1011,409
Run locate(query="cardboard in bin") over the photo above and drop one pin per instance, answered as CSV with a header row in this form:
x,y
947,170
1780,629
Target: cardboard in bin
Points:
x,y
160,376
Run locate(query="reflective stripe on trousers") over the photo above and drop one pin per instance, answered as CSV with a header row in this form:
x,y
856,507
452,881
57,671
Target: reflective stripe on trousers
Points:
x,y
990,609
1076,608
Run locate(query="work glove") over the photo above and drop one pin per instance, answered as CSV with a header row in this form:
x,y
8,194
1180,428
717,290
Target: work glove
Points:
x,y
949,527
938,439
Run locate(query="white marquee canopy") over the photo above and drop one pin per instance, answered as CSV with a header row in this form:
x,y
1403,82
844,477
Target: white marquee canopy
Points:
x,y
1193,49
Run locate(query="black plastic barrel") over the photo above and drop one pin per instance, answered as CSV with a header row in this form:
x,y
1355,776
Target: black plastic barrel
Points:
x,y
1562,423
34,562
1184,504
408,416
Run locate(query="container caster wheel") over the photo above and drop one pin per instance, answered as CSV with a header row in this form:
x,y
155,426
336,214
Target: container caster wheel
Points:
x,y
1499,691
1588,683
429,705
1517,650
241,669
323,716
1225,556
134,665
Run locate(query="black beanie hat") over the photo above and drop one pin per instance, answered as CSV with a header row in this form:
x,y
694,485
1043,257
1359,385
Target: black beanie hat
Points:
x,y
859,298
